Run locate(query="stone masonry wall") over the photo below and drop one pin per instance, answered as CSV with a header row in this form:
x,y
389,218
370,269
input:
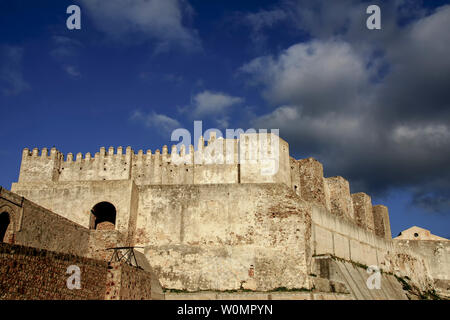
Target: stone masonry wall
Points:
x,y
362,205
38,227
75,200
436,252
312,184
134,283
340,198
381,221
34,274
34,226
177,167
346,240
225,237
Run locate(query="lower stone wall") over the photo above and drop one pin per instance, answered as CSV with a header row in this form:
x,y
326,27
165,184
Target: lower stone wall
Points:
x,y
32,274
125,282
355,278
437,254
135,284
343,239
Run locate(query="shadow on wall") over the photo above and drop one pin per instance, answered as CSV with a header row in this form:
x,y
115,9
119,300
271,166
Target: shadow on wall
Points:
x,y
4,223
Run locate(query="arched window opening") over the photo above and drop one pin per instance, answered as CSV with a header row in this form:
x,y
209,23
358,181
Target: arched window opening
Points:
x,y
4,224
103,216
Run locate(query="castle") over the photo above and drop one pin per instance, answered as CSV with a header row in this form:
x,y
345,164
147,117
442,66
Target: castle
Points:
x,y
211,222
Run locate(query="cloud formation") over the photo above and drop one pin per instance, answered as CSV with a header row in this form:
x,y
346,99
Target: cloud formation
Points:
x,y
12,81
212,105
207,103
66,51
160,20
374,108
260,21
162,123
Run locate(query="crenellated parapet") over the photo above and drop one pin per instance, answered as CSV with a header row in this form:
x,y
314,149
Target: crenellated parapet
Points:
x,y
215,161
341,203
40,165
381,221
107,164
333,194
362,205
253,158
310,181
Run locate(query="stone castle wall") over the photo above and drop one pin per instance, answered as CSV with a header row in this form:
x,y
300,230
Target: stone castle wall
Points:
x,y
93,175
225,237
220,161
216,226
125,282
34,274
437,254
28,273
350,242
34,226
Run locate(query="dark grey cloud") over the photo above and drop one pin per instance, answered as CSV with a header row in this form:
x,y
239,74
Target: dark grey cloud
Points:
x,y
373,106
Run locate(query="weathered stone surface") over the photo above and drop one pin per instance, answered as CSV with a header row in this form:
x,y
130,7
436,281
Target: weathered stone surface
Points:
x,y
204,225
340,198
28,273
381,221
210,237
362,206
312,182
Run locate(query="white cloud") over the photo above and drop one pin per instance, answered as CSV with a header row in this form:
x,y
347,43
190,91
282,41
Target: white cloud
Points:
x,y
66,51
162,123
265,18
65,47
72,71
422,135
382,125
11,77
210,103
320,74
141,20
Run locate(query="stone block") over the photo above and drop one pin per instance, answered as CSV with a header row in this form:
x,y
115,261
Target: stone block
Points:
x,y
340,200
381,221
362,205
312,183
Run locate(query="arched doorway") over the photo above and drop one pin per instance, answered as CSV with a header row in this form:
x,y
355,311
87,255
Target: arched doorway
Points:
x,y
103,217
4,224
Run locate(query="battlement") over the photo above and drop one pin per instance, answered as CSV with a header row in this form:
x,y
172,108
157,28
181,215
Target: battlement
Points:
x,y
215,161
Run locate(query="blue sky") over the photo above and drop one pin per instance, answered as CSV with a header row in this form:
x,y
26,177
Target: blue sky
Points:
x,y
372,106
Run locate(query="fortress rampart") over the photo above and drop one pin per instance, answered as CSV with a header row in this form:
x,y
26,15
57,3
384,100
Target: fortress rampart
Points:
x,y
213,219
220,161
209,164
